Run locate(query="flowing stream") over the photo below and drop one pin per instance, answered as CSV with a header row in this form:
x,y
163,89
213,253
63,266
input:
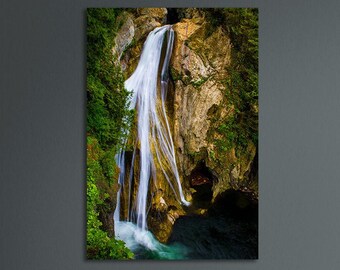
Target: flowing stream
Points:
x,y
148,85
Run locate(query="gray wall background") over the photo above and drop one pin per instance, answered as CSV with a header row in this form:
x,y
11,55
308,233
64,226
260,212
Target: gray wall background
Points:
x,y
42,135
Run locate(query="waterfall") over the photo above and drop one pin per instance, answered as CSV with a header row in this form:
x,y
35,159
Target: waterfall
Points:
x,y
148,85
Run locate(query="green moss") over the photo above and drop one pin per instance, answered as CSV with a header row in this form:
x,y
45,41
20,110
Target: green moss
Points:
x,y
198,83
186,79
175,75
212,155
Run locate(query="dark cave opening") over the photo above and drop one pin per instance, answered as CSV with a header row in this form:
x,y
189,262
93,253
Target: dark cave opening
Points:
x,y
172,16
201,180
228,203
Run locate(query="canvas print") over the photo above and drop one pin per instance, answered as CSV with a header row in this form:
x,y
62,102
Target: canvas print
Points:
x,y
172,133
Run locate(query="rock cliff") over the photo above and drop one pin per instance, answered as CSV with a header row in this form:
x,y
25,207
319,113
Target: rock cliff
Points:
x,y
199,108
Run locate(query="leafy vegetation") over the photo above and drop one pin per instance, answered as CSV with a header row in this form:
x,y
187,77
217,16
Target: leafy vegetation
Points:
x,y
106,97
107,117
99,244
242,83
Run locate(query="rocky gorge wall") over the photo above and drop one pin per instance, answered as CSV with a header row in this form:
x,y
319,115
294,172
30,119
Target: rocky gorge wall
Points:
x,y
198,109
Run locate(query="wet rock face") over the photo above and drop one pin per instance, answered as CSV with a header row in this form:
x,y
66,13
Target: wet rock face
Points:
x,y
199,68
148,19
124,36
132,34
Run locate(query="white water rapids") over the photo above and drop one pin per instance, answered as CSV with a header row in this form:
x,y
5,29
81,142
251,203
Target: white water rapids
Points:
x,y
148,86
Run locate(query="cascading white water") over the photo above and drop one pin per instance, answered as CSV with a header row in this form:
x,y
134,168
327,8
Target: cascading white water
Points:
x,y
156,147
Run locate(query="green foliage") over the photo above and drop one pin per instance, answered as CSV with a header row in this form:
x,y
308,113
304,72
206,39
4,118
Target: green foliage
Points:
x,y
242,85
215,17
175,75
234,135
107,98
99,244
107,117
108,164
199,82
241,24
